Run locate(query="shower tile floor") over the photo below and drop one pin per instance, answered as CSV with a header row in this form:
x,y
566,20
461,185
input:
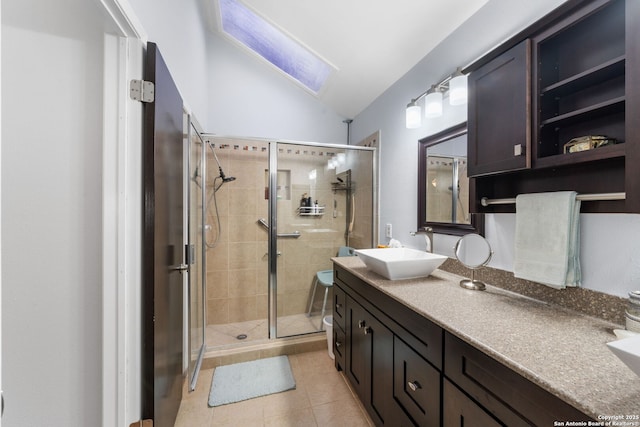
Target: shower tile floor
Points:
x,y
225,335
321,398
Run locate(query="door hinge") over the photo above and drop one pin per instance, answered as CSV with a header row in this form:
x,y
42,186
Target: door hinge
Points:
x,y
141,90
142,423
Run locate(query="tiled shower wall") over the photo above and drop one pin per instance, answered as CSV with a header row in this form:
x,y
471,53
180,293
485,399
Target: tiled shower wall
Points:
x,y
439,180
237,285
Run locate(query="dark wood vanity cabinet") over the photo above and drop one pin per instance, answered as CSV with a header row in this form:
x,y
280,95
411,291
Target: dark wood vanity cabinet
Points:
x,y
499,131
500,392
407,371
580,75
392,371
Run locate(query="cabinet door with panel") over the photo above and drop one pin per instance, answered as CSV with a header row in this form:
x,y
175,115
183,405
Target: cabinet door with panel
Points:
x,y
499,119
460,411
369,364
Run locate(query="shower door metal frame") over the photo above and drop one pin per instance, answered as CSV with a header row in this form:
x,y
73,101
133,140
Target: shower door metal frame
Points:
x,y
273,215
192,126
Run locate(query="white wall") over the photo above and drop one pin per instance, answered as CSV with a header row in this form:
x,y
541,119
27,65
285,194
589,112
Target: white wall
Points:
x,y
178,28
249,98
52,54
607,240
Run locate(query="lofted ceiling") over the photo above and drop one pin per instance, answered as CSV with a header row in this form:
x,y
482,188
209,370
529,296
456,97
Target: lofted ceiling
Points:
x,y
371,43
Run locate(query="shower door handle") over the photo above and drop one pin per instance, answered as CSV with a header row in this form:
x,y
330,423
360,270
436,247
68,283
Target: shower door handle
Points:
x,y
180,268
295,234
264,224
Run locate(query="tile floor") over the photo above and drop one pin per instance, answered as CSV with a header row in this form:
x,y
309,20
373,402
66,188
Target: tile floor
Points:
x,y
224,335
322,398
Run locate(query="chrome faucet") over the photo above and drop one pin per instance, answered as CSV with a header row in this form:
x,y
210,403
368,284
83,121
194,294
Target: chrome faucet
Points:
x,y
428,237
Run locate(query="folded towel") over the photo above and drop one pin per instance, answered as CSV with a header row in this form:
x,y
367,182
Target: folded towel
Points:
x,y
547,240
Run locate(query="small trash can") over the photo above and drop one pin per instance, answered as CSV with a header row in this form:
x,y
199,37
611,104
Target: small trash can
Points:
x,y
328,326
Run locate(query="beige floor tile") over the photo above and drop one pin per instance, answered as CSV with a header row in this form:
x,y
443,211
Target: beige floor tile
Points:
x,y
298,418
193,418
247,412
312,363
286,402
321,398
340,413
203,387
322,388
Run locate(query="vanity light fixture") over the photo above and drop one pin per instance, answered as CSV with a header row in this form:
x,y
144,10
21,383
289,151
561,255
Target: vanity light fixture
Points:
x,y
413,115
458,88
433,103
454,86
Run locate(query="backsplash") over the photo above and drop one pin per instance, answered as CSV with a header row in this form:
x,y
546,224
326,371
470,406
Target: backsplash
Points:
x,y
586,301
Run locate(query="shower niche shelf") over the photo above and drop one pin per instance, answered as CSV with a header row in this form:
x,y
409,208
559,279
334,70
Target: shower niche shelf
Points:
x,y
311,210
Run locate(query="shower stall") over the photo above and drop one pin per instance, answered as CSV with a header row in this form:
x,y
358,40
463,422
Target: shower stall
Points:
x,y
271,214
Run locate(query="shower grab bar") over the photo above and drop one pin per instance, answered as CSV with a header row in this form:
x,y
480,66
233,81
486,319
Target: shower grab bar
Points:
x,y
293,235
584,197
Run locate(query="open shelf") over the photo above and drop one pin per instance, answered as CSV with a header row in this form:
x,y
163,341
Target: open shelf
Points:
x,y
581,78
311,210
607,152
606,71
583,114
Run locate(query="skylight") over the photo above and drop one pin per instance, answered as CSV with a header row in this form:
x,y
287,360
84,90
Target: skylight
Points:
x,y
272,44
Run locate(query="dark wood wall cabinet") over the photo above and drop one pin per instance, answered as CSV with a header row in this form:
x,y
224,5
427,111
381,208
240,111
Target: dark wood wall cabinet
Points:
x,y
408,371
573,74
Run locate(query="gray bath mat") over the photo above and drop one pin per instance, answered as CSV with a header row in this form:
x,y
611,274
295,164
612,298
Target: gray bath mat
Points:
x,y
246,380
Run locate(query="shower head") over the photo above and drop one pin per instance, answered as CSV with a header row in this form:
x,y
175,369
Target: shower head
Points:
x,y
222,175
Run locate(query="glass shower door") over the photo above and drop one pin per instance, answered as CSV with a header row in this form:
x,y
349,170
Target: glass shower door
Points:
x,y
324,199
196,255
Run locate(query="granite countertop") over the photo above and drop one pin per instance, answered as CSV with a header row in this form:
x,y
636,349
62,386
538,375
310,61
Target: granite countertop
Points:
x,y
560,350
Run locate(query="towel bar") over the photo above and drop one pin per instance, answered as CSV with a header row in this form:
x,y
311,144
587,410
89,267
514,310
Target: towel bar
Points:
x,y
584,197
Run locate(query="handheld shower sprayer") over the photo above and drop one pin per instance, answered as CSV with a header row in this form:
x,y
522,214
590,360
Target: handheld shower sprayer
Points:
x,y
212,242
222,176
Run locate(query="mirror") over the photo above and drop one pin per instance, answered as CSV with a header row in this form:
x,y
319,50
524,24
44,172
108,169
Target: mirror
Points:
x,y
443,186
473,251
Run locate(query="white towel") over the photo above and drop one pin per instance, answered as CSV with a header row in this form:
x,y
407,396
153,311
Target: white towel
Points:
x,y
547,241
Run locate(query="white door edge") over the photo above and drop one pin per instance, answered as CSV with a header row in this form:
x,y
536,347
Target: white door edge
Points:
x,y
122,219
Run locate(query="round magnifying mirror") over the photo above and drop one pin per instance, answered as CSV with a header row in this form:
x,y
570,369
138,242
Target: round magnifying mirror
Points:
x,y
473,251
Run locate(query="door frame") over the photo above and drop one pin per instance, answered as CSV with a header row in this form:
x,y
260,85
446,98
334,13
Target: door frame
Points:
x,y
121,217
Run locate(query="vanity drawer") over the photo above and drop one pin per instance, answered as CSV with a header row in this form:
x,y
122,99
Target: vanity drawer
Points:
x,y
509,396
416,385
339,307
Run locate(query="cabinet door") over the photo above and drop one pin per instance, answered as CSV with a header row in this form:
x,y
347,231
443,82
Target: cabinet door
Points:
x,y
380,371
358,353
460,411
370,362
339,347
499,121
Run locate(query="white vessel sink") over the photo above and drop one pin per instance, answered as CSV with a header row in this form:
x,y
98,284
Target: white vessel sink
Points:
x,y
400,263
628,350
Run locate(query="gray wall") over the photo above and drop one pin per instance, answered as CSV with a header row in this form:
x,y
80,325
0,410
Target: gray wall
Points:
x,y
607,240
